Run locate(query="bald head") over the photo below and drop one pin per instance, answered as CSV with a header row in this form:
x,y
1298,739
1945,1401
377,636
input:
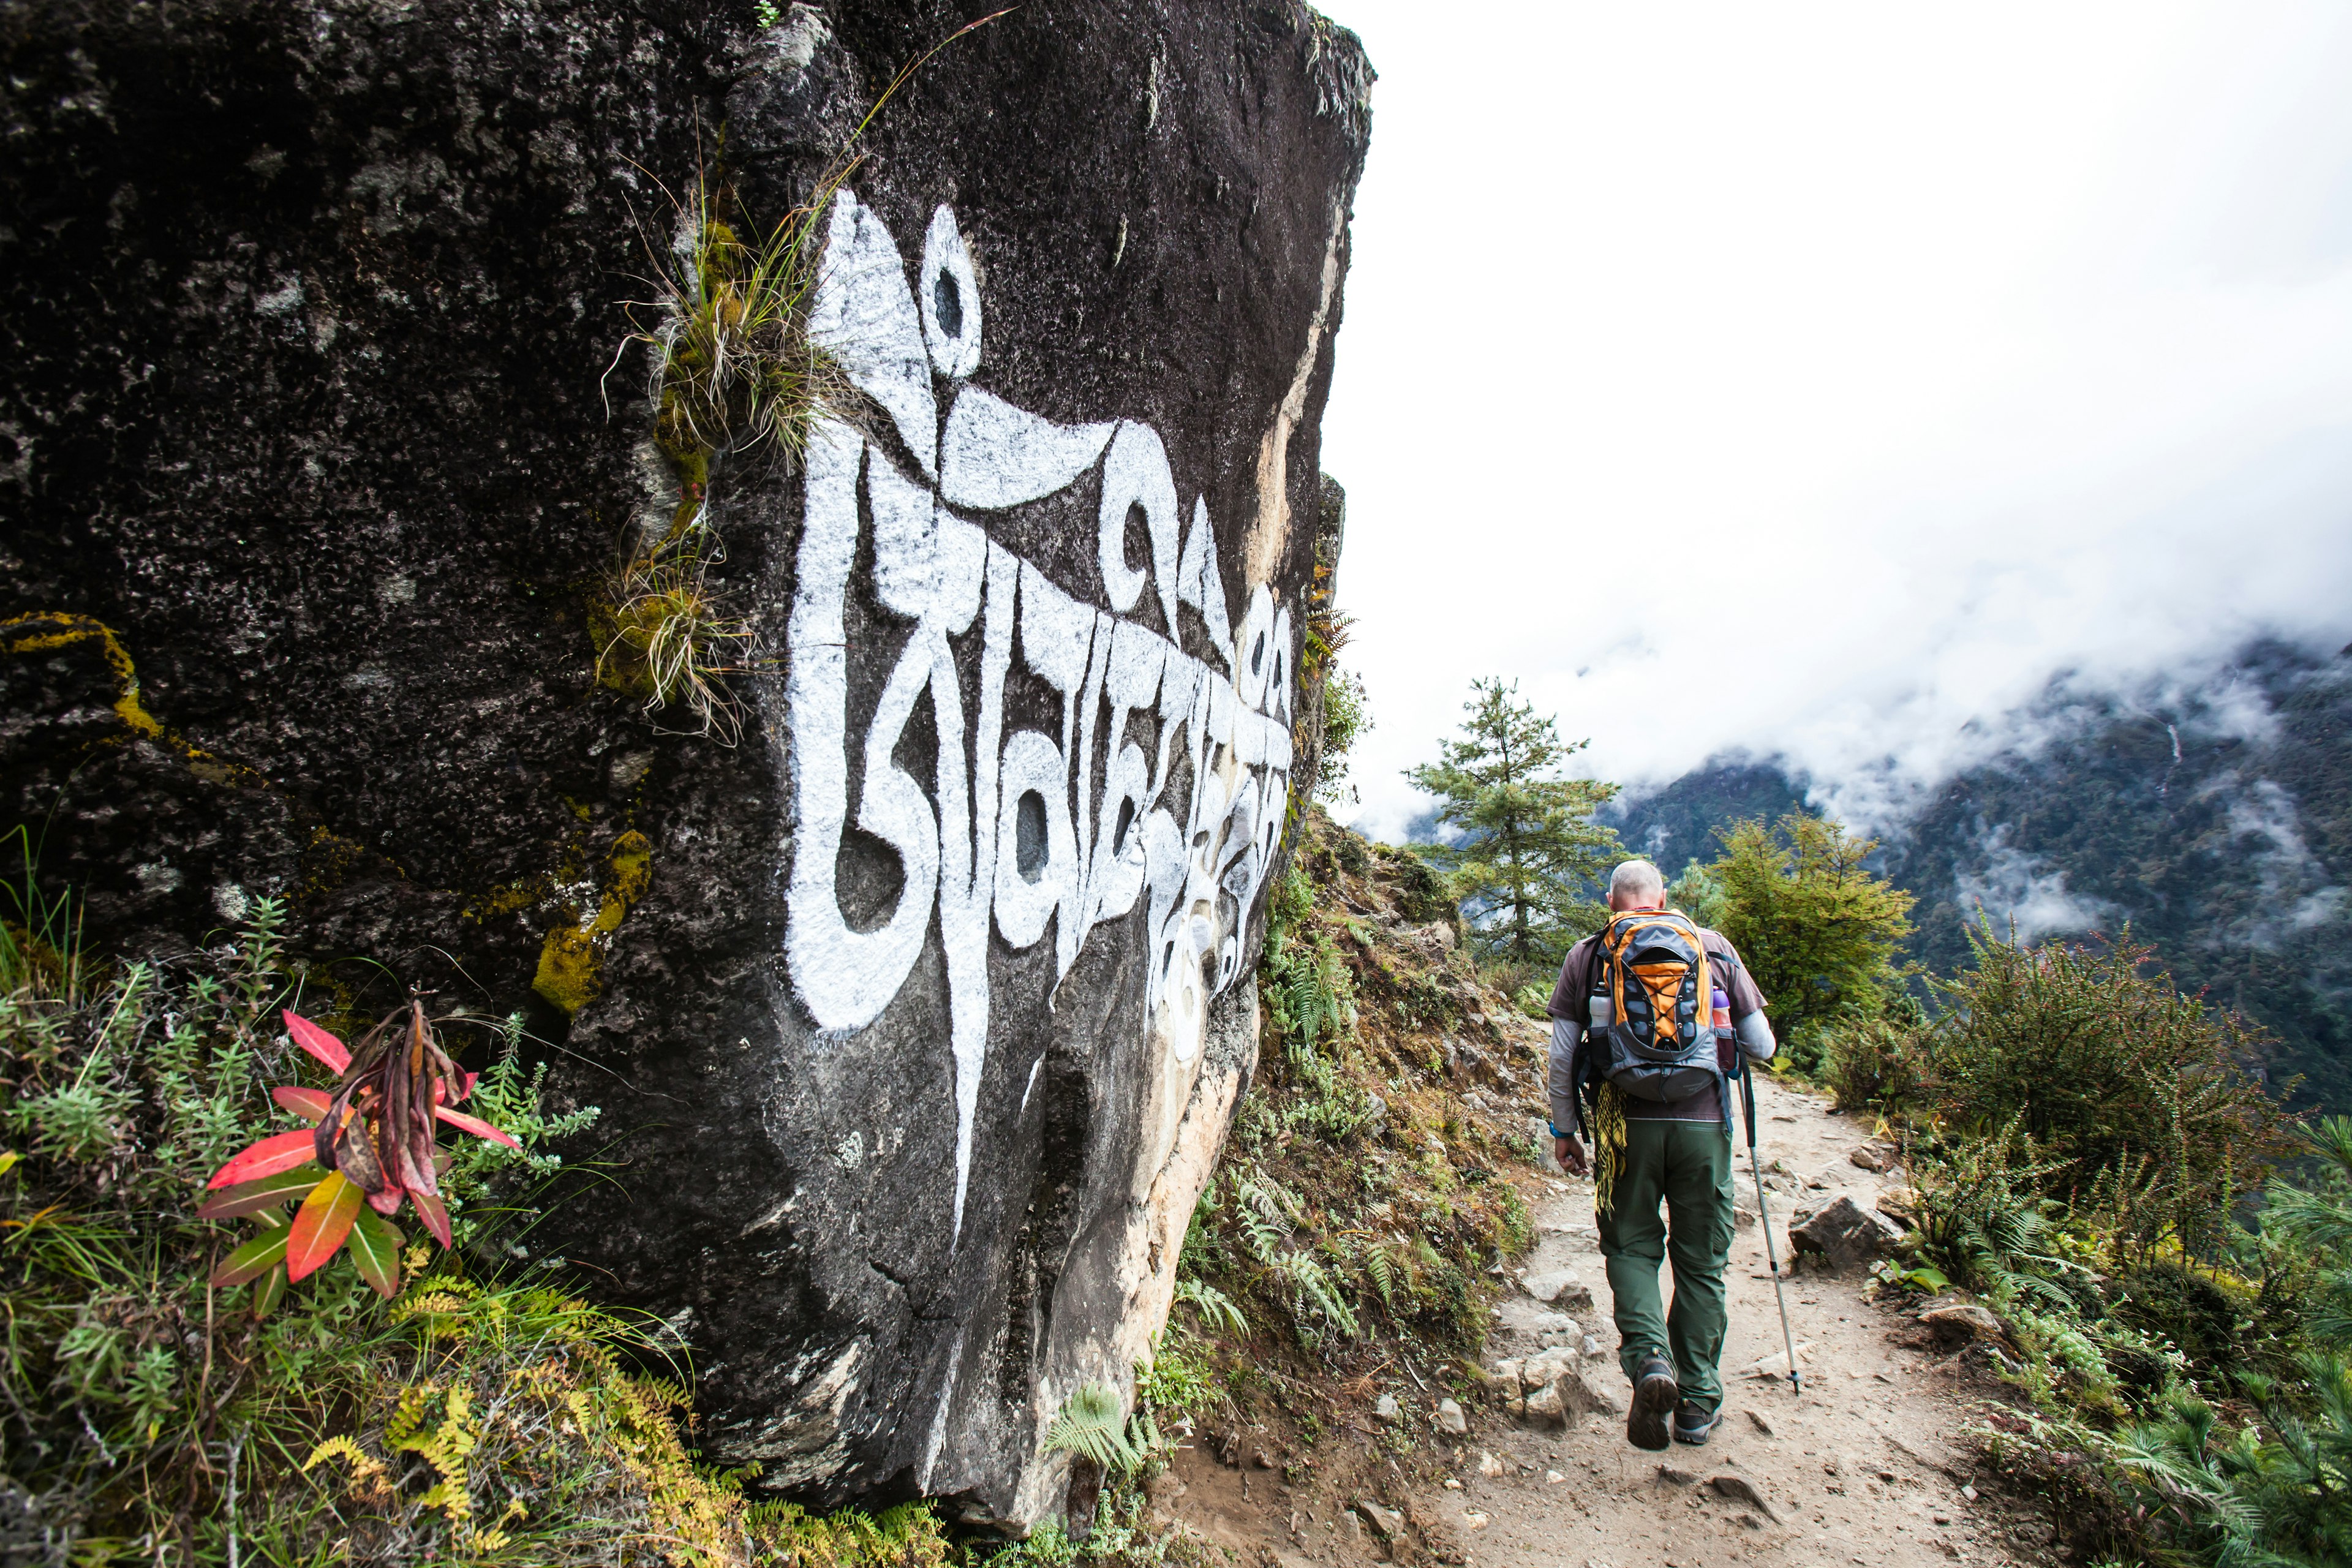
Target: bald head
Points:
x,y
1636,885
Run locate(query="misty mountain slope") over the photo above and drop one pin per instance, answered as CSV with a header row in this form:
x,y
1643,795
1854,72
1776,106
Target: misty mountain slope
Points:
x,y
2216,821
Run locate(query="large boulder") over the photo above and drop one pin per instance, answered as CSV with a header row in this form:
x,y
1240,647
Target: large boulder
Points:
x,y
915,1017
1844,1235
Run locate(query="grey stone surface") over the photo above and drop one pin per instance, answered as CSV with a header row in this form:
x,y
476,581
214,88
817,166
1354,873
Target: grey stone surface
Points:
x,y
1844,1235
1386,1522
313,473
1561,1286
1966,1317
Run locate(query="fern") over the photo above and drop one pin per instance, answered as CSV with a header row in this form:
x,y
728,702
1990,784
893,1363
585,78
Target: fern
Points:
x,y
1381,1271
1307,989
445,1444
1216,1308
1092,1424
1312,1287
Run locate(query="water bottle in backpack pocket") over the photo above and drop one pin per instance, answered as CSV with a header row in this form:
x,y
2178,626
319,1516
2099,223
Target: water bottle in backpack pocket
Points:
x,y
1652,984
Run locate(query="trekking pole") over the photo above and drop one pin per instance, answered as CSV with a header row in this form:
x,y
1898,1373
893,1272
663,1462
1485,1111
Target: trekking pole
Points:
x,y
1764,1218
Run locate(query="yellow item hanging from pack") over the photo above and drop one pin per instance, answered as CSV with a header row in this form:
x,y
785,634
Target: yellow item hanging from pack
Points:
x,y
1607,1146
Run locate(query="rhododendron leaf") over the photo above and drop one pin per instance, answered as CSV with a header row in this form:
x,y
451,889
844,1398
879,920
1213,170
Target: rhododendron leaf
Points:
x,y
355,1158
322,1224
386,1202
434,1213
254,1259
268,1289
311,1104
375,1248
252,1198
319,1043
475,1125
282,1152
464,1089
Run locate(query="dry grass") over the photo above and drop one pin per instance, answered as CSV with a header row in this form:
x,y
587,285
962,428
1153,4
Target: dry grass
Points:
x,y
669,641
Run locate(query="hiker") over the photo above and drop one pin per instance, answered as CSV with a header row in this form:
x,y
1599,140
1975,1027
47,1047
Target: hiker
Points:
x,y
1648,1078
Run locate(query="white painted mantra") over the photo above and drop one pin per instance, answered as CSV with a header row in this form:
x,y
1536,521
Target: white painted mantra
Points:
x,y
1014,827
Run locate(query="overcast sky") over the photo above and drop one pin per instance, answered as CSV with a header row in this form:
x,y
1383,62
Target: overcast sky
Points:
x,y
1813,378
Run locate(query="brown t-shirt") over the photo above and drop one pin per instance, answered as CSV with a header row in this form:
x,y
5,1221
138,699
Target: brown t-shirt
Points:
x,y
1571,1000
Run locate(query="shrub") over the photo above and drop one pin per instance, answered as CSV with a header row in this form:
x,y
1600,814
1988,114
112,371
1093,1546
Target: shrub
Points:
x,y
2139,1100
1869,1062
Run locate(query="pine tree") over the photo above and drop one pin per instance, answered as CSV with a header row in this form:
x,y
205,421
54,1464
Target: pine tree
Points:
x,y
1529,849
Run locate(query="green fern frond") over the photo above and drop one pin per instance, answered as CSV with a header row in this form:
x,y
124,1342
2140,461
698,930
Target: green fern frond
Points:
x,y
1216,1309
1092,1424
1381,1271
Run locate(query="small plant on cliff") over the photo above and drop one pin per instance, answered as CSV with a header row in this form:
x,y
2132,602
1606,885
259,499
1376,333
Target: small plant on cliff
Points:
x,y
734,367
1093,1425
668,640
370,1149
734,371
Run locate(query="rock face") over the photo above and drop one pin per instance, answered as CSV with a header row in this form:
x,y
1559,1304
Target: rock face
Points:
x,y
917,1015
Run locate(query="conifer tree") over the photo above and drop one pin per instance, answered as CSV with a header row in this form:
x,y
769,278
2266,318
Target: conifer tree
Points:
x,y
1529,850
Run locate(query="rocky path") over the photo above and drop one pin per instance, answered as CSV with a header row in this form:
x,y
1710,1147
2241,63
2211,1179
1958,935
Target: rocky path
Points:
x,y
1865,1468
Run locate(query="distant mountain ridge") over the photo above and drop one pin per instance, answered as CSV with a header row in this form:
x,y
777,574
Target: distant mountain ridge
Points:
x,y
2216,822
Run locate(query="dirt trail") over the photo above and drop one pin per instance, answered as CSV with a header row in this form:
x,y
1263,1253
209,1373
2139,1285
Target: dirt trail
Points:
x,y
1865,1469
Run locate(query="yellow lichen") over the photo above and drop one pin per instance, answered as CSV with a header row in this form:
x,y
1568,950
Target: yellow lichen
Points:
x,y
41,632
572,959
45,631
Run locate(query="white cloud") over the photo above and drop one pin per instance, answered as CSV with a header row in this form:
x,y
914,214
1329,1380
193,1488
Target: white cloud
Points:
x,y
2294,892
1820,380
2025,898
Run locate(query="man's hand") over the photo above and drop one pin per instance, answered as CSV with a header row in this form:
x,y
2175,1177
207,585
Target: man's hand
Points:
x,y
1570,1153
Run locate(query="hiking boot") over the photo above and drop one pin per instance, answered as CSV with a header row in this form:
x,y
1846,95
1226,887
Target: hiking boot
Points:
x,y
1655,1393
1693,1425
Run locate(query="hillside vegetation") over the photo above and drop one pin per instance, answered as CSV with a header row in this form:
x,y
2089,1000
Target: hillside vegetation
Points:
x,y
2165,1253
1375,1189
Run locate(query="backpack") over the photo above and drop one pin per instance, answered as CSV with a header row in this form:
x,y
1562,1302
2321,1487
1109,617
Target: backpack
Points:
x,y
1652,970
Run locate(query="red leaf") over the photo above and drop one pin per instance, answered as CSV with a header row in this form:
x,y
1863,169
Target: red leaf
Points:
x,y
267,1158
386,1202
311,1104
475,1125
434,1213
252,1198
319,1043
465,1090
321,1224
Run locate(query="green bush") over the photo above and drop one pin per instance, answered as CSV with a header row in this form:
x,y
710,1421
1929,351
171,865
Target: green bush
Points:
x,y
2141,1102
1869,1062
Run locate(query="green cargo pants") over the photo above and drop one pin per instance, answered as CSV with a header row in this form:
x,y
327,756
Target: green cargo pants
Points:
x,y
1688,1166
